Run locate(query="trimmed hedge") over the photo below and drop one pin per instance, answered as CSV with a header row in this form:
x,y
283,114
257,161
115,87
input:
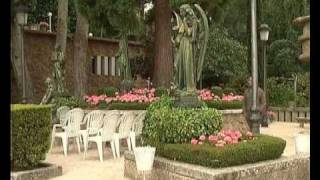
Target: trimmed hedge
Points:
x,y
128,106
260,149
222,105
109,91
30,135
167,124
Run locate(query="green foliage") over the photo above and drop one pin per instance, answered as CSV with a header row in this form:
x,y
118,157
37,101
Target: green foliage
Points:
x,y
166,124
70,101
30,135
303,90
109,91
225,58
283,58
161,91
128,106
260,149
280,92
229,90
222,105
217,91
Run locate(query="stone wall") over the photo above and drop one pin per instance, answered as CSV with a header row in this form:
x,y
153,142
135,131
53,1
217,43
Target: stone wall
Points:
x,y
38,47
293,168
234,119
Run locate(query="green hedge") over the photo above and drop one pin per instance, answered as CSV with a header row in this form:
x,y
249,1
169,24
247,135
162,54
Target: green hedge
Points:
x,y
128,106
166,124
260,149
30,135
109,91
222,105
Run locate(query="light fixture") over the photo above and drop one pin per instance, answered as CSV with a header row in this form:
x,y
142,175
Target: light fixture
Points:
x,y
264,32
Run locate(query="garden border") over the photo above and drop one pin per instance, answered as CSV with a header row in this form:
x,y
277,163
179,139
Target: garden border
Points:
x,y
49,171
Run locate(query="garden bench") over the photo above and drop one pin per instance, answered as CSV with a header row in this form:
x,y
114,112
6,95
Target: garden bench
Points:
x,y
303,120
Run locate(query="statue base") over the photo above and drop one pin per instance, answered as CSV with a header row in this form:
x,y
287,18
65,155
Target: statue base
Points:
x,y
188,100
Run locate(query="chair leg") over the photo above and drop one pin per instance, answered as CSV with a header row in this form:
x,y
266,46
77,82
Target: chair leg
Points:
x,y
129,143
52,139
133,139
99,145
117,144
85,144
78,143
65,145
112,149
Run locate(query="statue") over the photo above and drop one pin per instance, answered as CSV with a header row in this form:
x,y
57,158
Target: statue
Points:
x,y
190,42
48,96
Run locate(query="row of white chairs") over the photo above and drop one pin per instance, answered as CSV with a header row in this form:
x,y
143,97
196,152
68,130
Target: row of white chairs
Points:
x,y
99,127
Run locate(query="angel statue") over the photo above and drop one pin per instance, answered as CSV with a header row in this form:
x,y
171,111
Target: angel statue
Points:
x,y
190,43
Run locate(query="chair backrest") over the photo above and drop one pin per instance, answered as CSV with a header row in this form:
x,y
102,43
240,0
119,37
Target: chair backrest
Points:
x,y
94,121
138,122
126,123
61,114
111,121
74,118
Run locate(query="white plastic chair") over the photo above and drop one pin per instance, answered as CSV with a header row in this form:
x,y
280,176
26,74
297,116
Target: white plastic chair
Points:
x,y
72,129
61,116
126,122
104,134
137,128
96,115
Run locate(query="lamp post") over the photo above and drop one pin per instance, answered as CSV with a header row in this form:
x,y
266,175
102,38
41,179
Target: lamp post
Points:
x,y
22,18
255,116
50,14
264,36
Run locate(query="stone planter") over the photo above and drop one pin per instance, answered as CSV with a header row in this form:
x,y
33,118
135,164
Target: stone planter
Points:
x,y
47,171
293,168
302,143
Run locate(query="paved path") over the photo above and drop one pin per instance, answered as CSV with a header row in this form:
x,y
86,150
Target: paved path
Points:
x,y
76,168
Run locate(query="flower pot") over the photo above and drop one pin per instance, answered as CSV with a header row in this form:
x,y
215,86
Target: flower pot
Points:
x,y
144,158
302,143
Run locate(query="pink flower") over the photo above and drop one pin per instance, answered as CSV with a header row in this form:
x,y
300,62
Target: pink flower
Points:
x,y
194,141
213,138
200,142
228,139
202,137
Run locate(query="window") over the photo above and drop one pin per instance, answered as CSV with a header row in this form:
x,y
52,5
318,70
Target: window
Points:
x,y
105,66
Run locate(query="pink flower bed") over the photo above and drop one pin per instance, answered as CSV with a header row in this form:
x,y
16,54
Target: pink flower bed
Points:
x,y
206,95
222,138
136,95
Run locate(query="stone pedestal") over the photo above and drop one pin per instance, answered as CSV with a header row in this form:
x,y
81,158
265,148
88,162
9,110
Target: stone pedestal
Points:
x,y
188,101
304,39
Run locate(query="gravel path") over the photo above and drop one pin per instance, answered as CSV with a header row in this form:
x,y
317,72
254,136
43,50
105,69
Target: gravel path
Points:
x,y
74,167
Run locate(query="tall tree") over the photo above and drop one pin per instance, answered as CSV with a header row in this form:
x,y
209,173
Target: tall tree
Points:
x,y
163,63
80,46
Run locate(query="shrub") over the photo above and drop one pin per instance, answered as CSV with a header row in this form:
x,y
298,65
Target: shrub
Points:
x,y
216,90
229,90
109,91
128,106
71,101
167,124
221,105
303,90
262,148
161,91
280,92
30,135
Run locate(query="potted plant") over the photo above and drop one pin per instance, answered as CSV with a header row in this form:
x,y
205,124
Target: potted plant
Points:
x,y
144,157
302,142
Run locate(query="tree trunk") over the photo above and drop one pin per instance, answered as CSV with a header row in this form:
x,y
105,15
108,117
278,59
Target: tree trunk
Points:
x,y
16,62
80,46
163,65
62,28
